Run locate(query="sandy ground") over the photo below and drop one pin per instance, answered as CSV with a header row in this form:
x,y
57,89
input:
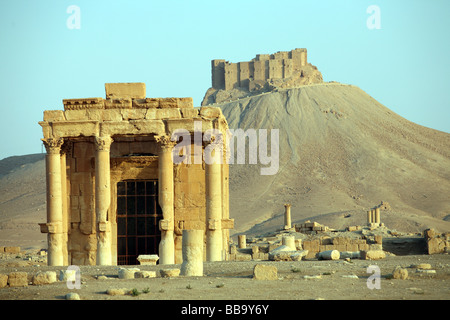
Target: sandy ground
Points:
x,y
297,280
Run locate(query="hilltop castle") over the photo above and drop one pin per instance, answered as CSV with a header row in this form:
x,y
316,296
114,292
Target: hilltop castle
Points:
x,y
263,73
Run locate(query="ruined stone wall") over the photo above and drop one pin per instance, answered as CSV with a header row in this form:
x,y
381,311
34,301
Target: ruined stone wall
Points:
x,y
80,168
436,242
341,244
263,67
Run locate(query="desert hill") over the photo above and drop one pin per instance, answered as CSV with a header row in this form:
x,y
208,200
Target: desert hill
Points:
x,y
341,153
22,201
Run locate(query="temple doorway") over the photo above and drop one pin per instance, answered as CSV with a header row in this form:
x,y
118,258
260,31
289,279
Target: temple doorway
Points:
x,y
138,215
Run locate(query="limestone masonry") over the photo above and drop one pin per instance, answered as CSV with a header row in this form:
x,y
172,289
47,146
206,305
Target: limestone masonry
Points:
x,y
265,72
114,192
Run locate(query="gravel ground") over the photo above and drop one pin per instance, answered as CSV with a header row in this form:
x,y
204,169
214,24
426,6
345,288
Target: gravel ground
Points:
x,y
233,280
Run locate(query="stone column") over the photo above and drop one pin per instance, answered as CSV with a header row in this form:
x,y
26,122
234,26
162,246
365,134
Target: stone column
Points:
x,y
214,240
103,199
242,241
287,216
54,201
166,200
289,241
369,217
377,216
65,201
192,253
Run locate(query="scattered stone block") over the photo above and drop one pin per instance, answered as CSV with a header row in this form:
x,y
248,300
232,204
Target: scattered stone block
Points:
x,y
329,255
299,255
46,277
3,280
116,292
318,276
145,274
425,271
378,239
373,254
72,296
243,256
127,273
148,259
12,249
350,255
400,273
167,273
18,279
69,274
423,266
265,272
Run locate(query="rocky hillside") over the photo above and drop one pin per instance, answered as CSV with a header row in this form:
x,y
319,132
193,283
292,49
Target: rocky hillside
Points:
x,y
22,200
341,153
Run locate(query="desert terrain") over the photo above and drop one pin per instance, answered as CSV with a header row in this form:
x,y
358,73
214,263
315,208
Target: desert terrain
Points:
x,y
233,280
341,153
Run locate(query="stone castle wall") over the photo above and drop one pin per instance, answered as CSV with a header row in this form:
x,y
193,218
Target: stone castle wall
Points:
x,y
263,67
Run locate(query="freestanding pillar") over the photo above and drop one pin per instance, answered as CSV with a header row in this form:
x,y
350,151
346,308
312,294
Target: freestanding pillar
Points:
x,y
166,200
242,241
192,248
287,216
214,244
289,241
377,216
103,199
54,201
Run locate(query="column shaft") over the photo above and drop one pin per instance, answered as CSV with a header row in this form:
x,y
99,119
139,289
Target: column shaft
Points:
x,y
103,199
214,245
377,216
287,216
192,253
166,201
54,202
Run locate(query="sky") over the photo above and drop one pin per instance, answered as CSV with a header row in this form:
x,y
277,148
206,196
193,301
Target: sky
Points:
x,y
50,50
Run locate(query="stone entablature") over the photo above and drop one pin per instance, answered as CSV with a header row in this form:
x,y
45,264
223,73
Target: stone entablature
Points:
x,y
95,143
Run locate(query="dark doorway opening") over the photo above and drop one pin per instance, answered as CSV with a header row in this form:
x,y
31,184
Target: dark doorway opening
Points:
x,y
138,215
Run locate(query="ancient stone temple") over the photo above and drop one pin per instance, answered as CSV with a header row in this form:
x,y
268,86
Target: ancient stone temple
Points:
x,y
127,174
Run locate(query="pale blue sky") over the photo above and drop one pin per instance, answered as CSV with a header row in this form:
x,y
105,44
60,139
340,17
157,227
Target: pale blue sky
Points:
x,y
169,46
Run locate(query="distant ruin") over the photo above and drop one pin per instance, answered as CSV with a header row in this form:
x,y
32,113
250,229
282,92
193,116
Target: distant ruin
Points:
x,y
265,72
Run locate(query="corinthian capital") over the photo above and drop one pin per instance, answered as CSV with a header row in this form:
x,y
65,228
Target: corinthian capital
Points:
x,y
53,145
103,143
165,142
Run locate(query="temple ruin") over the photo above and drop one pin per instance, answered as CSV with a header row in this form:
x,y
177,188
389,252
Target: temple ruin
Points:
x,y
114,191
